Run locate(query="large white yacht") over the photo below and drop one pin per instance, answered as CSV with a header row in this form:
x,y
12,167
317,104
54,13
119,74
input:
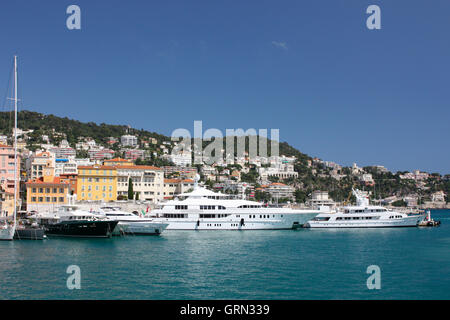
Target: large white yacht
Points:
x,y
203,209
130,223
364,215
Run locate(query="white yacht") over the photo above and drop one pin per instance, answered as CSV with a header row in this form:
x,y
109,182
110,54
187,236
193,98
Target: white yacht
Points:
x,y
203,209
130,223
364,215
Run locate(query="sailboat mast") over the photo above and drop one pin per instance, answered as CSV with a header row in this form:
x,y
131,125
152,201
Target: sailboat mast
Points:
x,y
15,138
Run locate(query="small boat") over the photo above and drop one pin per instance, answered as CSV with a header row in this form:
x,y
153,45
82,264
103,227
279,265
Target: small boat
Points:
x,y
70,221
428,222
130,223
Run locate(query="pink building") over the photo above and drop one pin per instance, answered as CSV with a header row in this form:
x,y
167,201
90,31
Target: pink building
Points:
x,y
7,168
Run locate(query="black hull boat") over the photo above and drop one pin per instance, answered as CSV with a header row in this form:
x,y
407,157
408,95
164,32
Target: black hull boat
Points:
x,y
29,234
81,229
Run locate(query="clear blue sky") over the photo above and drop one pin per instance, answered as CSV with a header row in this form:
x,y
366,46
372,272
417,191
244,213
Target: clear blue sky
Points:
x,y
312,69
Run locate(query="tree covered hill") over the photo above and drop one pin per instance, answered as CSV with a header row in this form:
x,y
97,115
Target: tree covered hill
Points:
x,y
52,126
73,129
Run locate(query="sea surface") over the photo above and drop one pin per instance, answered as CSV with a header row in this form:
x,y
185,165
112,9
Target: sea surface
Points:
x,y
293,264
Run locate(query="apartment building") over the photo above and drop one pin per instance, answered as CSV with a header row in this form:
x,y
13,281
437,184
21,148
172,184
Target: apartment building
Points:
x,y
173,187
46,193
148,181
279,191
37,162
97,183
7,168
128,140
100,154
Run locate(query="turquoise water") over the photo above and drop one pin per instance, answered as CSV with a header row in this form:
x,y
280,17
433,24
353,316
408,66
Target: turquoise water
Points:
x,y
302,264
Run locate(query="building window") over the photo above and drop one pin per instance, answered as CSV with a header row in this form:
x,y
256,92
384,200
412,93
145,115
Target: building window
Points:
x,y
61,199
33,199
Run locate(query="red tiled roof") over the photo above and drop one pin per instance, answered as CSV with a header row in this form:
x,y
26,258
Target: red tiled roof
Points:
x,y
56,180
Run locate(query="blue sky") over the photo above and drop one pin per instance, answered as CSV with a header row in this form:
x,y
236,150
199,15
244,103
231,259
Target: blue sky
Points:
x,y
312,69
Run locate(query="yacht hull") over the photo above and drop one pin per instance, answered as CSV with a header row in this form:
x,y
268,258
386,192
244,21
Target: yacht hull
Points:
x,y
30,234
139,228
81,229
411,221
240,222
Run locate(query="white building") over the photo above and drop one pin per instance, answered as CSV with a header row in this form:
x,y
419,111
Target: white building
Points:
x,y
438,196
320,199
181,158
148,181
65,152
280,191
36,164
65,166
173,187
128,140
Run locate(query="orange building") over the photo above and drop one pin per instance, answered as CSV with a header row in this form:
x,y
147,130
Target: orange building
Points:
x,y
46,193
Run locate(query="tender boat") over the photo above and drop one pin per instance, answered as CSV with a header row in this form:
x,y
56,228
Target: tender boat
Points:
x,y
364,215
70,221
428,221
130,223
203,209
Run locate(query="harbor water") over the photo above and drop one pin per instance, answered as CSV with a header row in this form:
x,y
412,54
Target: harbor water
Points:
x,y
292,264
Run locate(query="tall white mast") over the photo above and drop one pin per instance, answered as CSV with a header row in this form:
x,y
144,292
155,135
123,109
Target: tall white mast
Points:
x,y
15,139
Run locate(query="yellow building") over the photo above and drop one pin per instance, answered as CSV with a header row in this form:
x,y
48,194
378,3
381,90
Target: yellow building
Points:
x,y
97,183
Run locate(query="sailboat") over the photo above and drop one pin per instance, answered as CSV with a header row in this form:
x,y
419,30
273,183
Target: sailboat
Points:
x,y
8,229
